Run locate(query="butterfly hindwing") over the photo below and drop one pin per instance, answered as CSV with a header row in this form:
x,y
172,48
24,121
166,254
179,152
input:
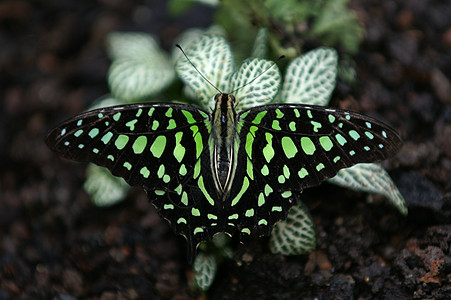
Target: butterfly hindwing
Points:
x,y
286,148
161,147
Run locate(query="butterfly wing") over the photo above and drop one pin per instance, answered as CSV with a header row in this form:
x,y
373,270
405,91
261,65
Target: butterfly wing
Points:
x,y
161,147
286,148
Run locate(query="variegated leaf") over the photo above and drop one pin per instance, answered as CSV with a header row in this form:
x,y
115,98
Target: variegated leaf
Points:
x,y
213,58
139,68
371,178
104,188
191,35
256,83
295,235
205,267
310,78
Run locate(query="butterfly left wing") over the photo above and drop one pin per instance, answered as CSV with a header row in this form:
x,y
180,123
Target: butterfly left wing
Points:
x,y
286,148
161,147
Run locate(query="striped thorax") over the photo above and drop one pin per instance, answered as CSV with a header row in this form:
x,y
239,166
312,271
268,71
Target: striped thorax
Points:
x,y
223,142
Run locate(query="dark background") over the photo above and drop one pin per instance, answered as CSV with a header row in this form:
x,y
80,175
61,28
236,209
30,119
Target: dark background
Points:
x,y
54,244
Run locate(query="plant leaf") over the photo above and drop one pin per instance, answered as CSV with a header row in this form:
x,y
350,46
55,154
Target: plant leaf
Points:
x,y
104,188
260,48
371,178
212,56
139,69
296,235
205,267
192,35
310,78
259,81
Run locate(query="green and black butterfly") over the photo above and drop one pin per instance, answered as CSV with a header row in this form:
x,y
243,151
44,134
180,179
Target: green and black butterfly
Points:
x,y
223,171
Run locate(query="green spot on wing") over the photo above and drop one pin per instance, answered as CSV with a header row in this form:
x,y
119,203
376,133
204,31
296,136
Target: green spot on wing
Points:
x,y
179,150
326,143
244,187
307,145
261,199
276,125
127,165
171,124
289,148
140,144
107,137
189,117
78,132
144,172
316,125
131,124
354,134
250,212
161,171
258,118
201,185
265,170
268,190
268,150
341,140
155,124
93,132
158,146
302,173
121,141
369,135
117,116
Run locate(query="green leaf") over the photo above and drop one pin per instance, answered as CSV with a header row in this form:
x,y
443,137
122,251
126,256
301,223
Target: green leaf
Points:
x,y
296,235
139,69
192,35
310,78
371,178
258,81
205,267
212,56
260,48
104,188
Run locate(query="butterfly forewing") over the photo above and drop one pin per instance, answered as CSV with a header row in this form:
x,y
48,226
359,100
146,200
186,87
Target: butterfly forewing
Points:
x,y
161,147
286,148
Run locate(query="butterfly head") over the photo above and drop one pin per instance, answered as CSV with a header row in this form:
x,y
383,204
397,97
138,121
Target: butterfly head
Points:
x,y
224,101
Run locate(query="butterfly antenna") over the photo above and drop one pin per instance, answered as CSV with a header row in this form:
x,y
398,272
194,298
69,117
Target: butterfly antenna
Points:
x,y
200,73
249,82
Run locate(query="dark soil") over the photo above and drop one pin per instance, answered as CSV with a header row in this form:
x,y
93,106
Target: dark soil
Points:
x,y
54,244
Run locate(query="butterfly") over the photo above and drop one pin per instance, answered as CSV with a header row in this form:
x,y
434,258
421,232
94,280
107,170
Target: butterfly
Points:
x,y
224,171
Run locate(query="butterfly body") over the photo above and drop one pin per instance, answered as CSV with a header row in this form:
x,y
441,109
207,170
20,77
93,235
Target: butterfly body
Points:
x,y
224,171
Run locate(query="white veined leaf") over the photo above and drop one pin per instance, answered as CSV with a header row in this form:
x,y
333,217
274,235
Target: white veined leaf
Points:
x,y
191,35
104,188
212,56
296,235
310,78
258,81
260,48
205,267
139,69
371,178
